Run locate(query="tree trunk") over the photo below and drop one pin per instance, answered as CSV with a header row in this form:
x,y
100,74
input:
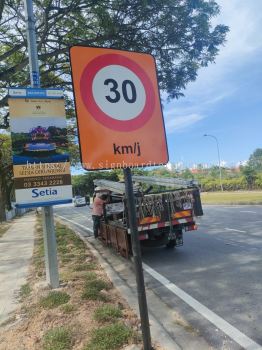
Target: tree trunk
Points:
x,y
2,204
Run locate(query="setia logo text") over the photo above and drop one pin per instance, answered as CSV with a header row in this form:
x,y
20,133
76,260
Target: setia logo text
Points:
x,y
36,192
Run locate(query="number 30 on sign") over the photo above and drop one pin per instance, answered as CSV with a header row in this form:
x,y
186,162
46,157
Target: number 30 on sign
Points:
x,y
119,114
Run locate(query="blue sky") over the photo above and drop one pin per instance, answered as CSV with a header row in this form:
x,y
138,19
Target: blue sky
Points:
x,y
225,100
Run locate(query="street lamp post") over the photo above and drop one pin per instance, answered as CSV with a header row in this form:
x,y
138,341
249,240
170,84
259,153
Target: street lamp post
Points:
x,y
219,163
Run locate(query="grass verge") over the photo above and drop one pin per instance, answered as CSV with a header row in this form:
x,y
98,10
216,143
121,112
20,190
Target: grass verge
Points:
x,y
241,197
77,315
25,290
3,228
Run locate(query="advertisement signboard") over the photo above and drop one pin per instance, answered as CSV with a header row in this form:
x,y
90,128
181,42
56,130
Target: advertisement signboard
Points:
x,y
40,148
118,108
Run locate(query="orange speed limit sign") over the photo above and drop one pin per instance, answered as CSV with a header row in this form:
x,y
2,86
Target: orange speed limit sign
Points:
x,y
118,108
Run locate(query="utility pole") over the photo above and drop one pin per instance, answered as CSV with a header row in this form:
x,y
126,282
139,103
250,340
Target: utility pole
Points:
x,y
219,162
47,212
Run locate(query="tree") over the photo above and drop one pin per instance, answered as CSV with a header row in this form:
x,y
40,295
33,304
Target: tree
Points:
x,y
177,32
255,160
83,184
250,175
186,174
6,183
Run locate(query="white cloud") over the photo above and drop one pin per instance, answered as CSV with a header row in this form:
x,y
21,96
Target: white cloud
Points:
x,y
181,122
242,162
213,84
169,166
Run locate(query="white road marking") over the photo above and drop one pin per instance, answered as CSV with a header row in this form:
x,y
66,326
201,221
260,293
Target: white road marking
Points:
x,y
232,207
235,230
248,211
79,214
218,321
75,223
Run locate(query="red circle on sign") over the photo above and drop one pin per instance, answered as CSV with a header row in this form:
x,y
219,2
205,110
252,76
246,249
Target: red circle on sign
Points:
x,y
86,84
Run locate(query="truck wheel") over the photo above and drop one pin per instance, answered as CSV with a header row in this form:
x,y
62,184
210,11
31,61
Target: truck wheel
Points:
x,y
171,243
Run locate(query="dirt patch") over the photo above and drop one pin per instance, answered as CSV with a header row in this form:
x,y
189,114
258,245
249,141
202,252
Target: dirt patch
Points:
x,y
67,317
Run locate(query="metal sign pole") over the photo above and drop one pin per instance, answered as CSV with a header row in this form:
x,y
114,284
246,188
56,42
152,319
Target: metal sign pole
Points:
x,y
48,217
137,260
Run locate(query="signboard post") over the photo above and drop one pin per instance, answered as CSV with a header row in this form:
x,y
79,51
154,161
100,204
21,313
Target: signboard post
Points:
x,y
21,178
120,125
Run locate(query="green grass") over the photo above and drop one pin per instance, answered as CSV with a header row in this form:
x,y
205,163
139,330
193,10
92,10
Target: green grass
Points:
x,y
59,338
92,289
90,276
98,284
68,308
25,290
241,197
106,313
85,267
39,253
54,299
109,337
3,228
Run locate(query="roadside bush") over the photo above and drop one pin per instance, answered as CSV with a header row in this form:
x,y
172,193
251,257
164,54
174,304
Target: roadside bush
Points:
x,y
229,184
258,182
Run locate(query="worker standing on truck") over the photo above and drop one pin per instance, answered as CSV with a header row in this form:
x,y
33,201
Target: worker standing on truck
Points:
x,y
100,200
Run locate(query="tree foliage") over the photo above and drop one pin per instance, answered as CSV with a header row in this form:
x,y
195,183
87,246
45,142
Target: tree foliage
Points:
x,y
177,32
250,175
255,160
83,184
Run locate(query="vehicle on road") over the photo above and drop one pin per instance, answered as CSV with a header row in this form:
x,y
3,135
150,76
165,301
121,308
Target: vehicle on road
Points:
x,y
79,201
162,216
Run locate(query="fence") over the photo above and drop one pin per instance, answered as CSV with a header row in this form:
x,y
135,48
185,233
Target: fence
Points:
x,y
15,212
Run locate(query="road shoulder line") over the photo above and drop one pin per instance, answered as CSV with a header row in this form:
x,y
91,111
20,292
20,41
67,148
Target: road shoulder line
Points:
x,y
218,321
234,229
74,223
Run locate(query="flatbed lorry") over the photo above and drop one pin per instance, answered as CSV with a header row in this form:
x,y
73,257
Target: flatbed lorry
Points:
x,y
163,216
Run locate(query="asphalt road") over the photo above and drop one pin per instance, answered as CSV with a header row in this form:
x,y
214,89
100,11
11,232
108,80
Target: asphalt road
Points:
x,y
218,269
